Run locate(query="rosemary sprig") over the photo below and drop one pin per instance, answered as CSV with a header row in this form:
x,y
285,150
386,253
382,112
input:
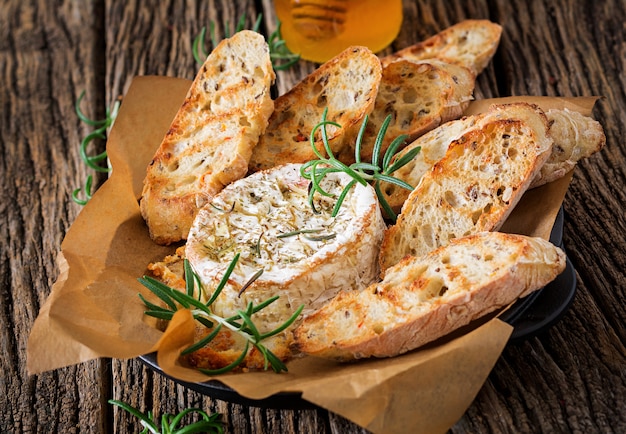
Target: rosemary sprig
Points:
x,y
170,423
280,55
241,323
376,172
93,161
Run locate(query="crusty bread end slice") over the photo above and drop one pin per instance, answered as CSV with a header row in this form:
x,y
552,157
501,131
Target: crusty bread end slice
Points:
x,y
575,137
210,140
471,43
473,188
422,299
346,85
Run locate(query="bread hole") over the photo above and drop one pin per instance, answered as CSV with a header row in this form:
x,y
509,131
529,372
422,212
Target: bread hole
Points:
x,y
476,216
170,187
512,153
409,96
477,149
258,73
405,119
390,189
443,290
243,121
173,166
434,287
188,180
378,328
428,235
488,257
322,100
451,198
500,191
487,208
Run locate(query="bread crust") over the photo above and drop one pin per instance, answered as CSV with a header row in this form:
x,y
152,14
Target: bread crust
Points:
x,y
422,299
210,140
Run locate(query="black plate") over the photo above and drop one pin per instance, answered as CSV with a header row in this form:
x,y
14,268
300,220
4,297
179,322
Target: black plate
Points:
x,y
543,308
528,316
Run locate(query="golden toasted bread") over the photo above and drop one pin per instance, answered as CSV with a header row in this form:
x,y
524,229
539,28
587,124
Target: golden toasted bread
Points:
x,y
471,43
435,143
419,96
346,85
424,298
575,137
473,188
210,140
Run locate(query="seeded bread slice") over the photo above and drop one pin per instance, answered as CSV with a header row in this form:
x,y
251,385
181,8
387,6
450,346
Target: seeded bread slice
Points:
x,y
346,85
210,140
420,96
422,299
473,188
435,143
575,137
471,43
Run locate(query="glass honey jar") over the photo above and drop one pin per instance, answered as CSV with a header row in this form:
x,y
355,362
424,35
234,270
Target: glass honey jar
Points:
x,y
320,29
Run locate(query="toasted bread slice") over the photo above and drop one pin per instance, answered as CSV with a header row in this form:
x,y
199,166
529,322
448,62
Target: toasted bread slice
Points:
x,y
422,299
346,85
473,188
420,96
434,146
575,137
471,43
210,140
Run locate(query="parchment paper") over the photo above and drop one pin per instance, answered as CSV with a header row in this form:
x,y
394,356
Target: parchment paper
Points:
x,y
94,311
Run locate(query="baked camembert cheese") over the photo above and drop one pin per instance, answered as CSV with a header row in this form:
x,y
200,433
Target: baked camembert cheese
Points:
x,y
307,256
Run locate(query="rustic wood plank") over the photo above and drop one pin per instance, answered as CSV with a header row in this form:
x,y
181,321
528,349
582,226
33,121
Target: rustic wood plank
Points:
x,y
48,55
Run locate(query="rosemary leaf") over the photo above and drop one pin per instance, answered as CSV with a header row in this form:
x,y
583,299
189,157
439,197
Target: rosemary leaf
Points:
x,y
241,323
404,160
359,171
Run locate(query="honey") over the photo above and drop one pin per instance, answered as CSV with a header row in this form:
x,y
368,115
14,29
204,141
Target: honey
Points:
x,y
320,29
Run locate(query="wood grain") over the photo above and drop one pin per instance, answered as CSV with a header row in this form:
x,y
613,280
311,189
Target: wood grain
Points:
x,y
571,378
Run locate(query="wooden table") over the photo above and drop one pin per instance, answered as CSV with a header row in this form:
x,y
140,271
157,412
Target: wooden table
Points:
x,y
571,378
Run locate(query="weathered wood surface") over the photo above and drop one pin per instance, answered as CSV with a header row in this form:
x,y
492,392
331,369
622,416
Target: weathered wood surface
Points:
x,y
570,379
